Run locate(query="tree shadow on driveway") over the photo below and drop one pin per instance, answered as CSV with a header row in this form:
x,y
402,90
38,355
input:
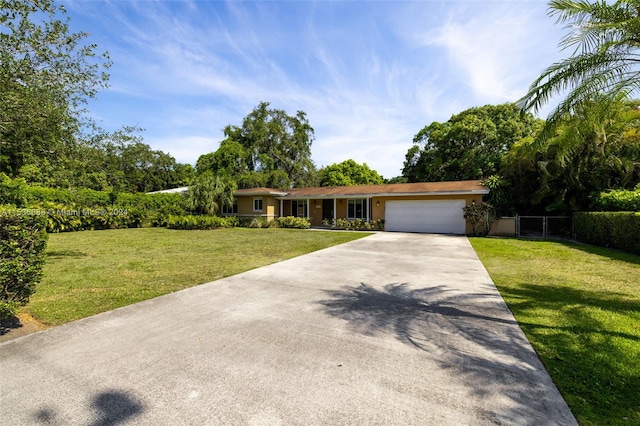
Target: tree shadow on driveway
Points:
x,y
472,335
110,408
410,314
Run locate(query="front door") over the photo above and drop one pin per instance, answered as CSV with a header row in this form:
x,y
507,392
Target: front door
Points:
x,y
327,209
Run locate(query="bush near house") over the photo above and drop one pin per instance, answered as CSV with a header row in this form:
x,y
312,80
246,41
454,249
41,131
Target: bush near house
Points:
x,y
201,222
479,214
294,222
354,225
619,230
23,240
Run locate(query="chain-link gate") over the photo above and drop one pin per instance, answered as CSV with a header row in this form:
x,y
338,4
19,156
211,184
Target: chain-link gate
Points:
x,y
544,226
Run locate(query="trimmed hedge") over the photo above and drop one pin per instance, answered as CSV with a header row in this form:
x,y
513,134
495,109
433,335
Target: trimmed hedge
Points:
x,y
23,240
85,209
190,222
619,230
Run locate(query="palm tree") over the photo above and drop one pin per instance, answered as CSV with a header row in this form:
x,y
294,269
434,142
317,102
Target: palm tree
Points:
x,y
210,193
605,59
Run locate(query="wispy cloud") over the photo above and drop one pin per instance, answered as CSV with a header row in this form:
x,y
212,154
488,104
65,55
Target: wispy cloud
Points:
x,y
369,74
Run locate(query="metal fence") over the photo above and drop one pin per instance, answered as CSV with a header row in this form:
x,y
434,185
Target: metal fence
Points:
x,y
544,226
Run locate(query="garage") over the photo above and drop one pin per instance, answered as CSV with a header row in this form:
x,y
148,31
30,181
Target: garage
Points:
x,y
437,217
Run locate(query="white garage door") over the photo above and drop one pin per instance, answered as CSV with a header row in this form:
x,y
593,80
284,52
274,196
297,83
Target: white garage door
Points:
x,y
438,217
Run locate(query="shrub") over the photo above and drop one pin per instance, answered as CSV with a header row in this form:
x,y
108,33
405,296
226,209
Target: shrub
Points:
x,y
259,222
294,222
609,229
354,225
23,240
617,200
190,222
13,191
479,214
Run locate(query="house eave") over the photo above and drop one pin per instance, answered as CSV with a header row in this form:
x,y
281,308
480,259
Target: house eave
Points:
x,y
383,194
260,194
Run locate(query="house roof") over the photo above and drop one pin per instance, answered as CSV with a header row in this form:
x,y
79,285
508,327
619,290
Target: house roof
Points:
x,y
260,191
395,189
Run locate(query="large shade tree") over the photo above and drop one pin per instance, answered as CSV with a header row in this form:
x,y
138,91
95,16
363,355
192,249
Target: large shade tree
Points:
x,y
47,73
605,43
270,148
470,145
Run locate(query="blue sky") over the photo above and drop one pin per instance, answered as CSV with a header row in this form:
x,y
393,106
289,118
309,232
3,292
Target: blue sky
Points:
x,y
369,74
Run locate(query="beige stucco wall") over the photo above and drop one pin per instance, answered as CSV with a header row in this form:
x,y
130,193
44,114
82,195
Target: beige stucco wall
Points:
x,y
505,227
270,206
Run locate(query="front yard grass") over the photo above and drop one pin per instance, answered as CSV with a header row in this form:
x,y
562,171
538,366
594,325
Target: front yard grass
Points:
x,y
580,308
95,271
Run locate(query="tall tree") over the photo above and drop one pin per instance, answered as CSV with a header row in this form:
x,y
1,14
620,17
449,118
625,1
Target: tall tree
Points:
x,y
605,41
349,173
47,74
468,146
270,148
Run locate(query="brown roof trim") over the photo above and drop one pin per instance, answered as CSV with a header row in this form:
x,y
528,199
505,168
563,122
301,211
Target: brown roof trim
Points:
x,y
461,187
391,190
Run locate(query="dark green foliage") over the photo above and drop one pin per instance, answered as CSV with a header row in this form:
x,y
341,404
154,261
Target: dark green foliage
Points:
x,y
47,74
617,201
349,173
294,222
86,209
270,148
23,241
397,179
128,164
468,146
593,150
209,194
619,230
13,191
499,196
190,222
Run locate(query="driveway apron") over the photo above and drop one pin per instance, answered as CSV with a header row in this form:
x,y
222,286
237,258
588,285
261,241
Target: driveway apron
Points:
x,y
393,328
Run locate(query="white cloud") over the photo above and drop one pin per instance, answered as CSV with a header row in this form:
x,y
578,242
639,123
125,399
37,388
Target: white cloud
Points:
x,y
369,74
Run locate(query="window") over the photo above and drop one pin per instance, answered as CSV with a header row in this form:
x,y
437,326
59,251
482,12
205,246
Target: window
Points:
x,y
299,208
257,204
356,209
226,209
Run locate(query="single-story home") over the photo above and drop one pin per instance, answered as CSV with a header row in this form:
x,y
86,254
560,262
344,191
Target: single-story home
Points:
x,y
434,207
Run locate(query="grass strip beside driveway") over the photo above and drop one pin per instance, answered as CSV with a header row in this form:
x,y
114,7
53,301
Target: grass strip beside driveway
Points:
x,y
580,308
95,271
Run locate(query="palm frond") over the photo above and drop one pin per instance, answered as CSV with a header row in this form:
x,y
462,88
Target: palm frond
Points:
x,y
606,59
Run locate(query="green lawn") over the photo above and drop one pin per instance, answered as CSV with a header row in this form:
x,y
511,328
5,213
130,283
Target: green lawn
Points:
x,y
580,308
95,271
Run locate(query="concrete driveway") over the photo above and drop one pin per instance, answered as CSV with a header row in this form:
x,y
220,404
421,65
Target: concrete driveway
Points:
x,y
390,329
